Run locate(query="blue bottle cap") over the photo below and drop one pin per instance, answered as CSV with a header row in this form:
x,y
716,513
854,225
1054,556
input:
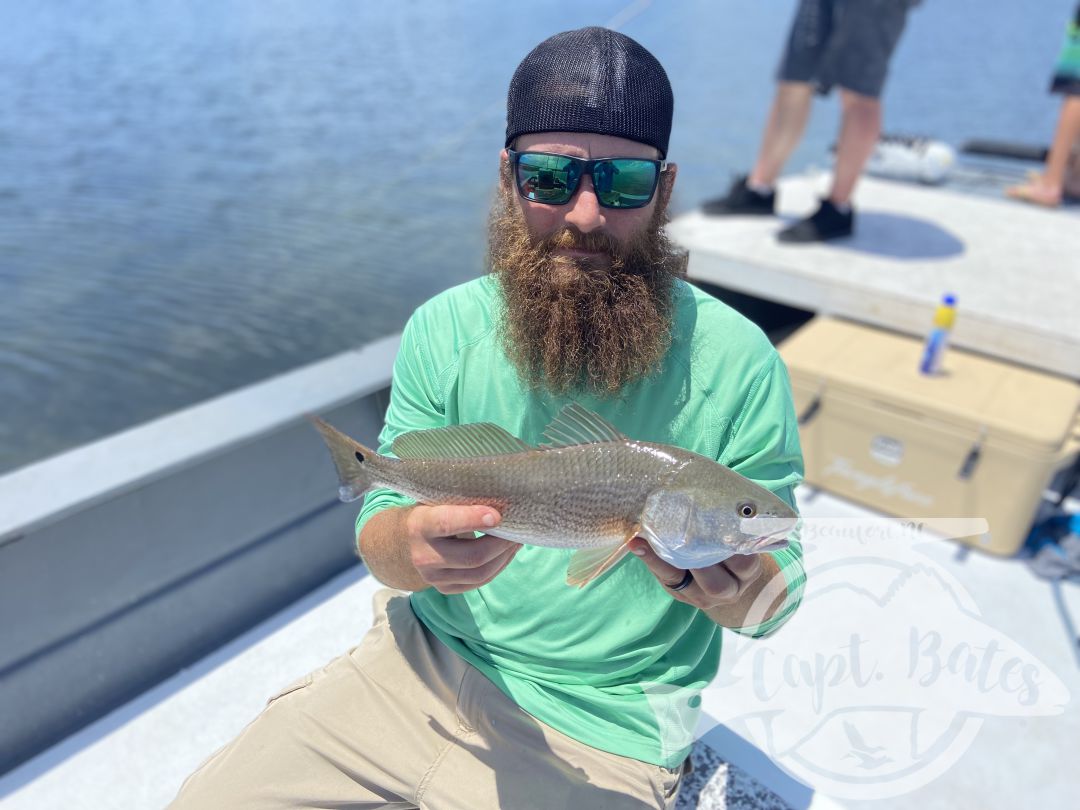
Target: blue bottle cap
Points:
x,y
949,300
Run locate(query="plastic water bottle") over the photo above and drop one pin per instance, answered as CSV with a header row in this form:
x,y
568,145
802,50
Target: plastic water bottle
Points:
x,y
938,339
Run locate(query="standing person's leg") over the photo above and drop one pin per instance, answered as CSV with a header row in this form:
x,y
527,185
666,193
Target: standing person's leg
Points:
x,y
860,128
1048,188
792,102
787,121
865,34
1065,138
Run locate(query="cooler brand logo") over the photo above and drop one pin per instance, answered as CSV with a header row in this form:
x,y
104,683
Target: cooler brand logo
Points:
x,y
887,450
887,485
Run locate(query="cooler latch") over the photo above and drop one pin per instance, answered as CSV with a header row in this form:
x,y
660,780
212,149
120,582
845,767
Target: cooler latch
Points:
x,y
967,469
810,411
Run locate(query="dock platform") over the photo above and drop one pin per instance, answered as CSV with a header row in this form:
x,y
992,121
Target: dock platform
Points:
x,y
1015,268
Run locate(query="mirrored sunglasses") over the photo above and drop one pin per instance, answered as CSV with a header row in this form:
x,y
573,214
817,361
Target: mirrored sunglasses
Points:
x,y
553,179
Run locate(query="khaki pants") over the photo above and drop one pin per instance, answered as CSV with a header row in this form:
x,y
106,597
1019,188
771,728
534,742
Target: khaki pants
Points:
x,y
402,721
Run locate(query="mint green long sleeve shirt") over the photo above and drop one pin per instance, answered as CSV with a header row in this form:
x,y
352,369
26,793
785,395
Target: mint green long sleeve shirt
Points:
x,y
586,661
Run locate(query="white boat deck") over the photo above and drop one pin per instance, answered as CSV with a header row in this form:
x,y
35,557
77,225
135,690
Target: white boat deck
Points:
x,y
1015,268
137,756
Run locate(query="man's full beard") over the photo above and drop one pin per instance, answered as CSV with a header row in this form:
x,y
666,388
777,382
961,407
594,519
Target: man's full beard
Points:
x,y
573,325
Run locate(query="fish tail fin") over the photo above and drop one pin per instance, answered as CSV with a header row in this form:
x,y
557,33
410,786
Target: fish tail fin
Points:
x,y
350,458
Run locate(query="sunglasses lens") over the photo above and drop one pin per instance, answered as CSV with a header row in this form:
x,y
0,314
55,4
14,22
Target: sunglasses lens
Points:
x,y
547,178
624,183
553,179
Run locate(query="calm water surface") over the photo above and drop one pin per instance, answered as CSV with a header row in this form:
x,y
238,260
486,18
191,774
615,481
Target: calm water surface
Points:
x,y
196,195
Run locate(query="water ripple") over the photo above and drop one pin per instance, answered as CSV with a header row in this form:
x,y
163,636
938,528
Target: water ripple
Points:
x,y
196,195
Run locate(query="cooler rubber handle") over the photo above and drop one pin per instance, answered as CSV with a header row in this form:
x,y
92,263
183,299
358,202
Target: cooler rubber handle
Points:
x,y
967,469
1071,446
810,411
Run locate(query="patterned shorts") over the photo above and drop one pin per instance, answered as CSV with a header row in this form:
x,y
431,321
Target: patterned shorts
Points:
x,y
844,42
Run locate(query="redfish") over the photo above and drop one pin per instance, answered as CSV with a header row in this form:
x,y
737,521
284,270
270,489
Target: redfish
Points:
x,y
587,487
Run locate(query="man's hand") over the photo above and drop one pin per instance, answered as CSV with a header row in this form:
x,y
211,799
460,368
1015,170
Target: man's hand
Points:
x,y
453,564
727,591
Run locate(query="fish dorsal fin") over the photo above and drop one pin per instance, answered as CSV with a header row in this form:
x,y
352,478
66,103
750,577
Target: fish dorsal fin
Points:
x,y
458,441
576,425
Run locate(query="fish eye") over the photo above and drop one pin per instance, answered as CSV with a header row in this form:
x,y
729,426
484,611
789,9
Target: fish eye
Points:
x,y
747,509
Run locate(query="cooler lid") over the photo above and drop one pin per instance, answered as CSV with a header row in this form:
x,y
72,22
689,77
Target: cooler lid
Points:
x,y
975,391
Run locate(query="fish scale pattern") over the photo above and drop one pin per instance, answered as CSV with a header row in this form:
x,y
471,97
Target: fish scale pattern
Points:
x,y
569,497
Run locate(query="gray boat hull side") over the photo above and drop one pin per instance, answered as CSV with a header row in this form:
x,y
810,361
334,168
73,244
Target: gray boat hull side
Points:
x,y
126,584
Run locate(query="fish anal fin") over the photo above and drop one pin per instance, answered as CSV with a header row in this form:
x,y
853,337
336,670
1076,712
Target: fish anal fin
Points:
x,y
575,425
458,441
586,564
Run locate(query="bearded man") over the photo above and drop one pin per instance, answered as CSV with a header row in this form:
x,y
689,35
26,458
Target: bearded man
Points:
x,y
494,684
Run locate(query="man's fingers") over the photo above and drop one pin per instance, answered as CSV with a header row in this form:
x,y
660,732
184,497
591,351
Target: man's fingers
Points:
x,y
473,553
459,580
717,582
745,567
435,544
667,574
497,565
448,520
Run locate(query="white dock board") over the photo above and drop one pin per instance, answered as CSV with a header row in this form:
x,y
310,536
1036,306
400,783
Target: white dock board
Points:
x,y
1015,268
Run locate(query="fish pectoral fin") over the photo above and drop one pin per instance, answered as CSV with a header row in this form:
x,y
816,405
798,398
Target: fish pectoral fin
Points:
x,y
575,425
586,564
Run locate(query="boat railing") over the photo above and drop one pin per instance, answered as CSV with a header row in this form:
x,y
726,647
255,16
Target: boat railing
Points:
x,y
125,560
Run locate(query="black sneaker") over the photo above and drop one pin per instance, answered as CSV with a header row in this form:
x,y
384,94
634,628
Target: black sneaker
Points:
x,y
826,223
742,199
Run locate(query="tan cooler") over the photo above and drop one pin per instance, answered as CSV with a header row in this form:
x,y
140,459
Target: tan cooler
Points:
x,y
982,440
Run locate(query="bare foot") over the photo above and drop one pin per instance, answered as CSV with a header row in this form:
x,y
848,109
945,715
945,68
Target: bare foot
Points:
x,y
1036,191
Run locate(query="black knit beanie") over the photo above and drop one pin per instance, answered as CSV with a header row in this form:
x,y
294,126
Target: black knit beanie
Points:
x,y
591,80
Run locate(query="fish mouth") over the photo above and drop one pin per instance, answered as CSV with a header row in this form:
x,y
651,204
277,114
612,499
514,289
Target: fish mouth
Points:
x,y
770,534
769,543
